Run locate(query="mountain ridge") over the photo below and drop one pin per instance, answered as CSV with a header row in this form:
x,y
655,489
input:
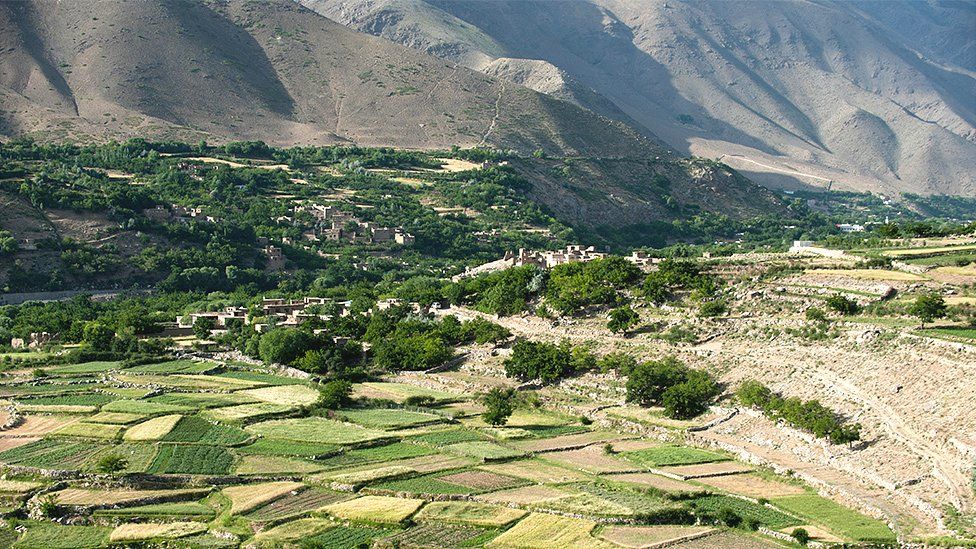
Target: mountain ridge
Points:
x,y
817,87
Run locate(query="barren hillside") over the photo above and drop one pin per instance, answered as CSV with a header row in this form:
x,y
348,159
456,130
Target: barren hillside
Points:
x,y
872,96
261,70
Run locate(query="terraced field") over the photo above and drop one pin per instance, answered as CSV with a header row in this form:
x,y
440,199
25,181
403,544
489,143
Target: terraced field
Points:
x,y
235,462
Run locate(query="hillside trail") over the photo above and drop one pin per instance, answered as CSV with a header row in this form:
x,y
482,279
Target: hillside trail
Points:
x,y
494,119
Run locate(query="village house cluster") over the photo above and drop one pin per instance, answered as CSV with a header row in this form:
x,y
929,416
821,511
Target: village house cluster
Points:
x,y
331,223
291,313
547,259
176,212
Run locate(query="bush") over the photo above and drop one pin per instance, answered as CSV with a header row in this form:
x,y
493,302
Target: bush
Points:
x,y
814,314
500,405
842,304
622,319
111,463
728,517
801,536
684,393
419,400
334,395
714,308
537,360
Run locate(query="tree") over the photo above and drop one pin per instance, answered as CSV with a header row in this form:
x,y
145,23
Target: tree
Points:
x,y
842,304
499,403
622,319
691,397
203,326
648,381
97,337
334,395
801,536
928,307
284,345
112,463
538,360
712,308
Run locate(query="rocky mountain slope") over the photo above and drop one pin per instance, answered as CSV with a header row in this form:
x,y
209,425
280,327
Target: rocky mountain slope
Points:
x,y
874,96
261,70
278,72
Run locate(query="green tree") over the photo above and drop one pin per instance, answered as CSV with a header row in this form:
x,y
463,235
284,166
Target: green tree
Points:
x,y
112,463
648,381
499,404
928,307
691,397
538,360
97,337
334,395
203,327
622,319
801,536
284,345
842,304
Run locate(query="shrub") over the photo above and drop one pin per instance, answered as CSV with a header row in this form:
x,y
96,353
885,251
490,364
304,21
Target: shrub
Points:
x,y
714,308
801,536
500,405
728,517
842,304
334,395
537,360
622,319
814,314
809,415
111,463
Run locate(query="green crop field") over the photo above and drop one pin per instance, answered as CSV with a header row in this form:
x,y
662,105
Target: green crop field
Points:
x,y
85,368
389,418
482,450
373,454
315,429
203,400
447,436
346,536
836,518
671,455
191,459
90,399
143,407
56,536
247,412
294,448
161,510
769,518
173,367
51,453
197,429
439,535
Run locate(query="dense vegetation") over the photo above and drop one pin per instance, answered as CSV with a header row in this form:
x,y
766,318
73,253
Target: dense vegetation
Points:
x,y
809,415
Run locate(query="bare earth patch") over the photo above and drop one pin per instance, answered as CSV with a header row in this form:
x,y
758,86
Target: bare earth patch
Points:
x,y
591,459
652,480
524,495
752,486
641,537
708,469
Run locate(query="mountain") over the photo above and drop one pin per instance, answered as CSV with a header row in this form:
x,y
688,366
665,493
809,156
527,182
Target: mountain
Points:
x,y
261,70
874,95
278,72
